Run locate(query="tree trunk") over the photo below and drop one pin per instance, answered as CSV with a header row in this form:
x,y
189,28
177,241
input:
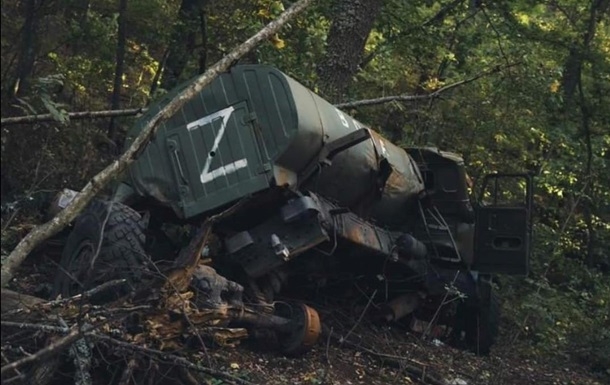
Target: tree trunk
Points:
x,y
572,81
27,55
183,41
352,21
579,50
203,51
115,102
588,191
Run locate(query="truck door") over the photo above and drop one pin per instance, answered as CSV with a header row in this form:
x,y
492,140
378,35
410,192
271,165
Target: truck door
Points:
x,y
216,159
503,224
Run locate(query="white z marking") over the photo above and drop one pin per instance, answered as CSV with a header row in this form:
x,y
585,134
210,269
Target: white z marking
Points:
x,y
342,117
206,174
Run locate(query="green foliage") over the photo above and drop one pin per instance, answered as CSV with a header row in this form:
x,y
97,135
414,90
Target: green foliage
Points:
x,y
42,99
566,314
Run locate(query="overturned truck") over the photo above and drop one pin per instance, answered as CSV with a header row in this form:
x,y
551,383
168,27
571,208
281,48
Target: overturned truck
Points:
x,y
315,197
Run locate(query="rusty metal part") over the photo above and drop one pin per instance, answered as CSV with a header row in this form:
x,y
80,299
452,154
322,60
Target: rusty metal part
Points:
x,y
312,327
356,230
399,307
284,176
305,331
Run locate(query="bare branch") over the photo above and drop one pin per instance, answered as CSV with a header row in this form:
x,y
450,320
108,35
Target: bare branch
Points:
x,y
175,359
29,119
433,95
53,348
48,229
28,325
126,376
415,369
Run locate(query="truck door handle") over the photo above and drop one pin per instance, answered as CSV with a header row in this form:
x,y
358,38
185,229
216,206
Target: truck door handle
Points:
x,y
180,170
173,147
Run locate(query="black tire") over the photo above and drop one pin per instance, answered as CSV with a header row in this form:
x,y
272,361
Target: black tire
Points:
x,y
121,251
477,322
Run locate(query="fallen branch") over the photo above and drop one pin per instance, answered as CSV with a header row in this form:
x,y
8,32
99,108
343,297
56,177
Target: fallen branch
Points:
x,y
126,376
172,358
33,326
53,349
11,301
78,334
355,325
39,118
95,185
433,95
29,119
17,306
395,361
17,371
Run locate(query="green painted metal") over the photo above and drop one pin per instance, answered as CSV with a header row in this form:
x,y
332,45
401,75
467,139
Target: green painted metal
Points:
x,y
254,128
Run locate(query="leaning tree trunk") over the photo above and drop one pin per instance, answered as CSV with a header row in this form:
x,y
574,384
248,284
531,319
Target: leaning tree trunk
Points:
x,y
352,21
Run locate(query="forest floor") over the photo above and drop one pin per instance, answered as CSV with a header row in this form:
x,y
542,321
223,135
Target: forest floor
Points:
x,y
394,356
353,350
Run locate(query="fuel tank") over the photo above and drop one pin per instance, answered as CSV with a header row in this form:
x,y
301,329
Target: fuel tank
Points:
x,y
255,128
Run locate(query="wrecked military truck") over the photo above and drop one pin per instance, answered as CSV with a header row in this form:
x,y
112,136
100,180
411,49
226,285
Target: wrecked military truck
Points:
x,y
317,197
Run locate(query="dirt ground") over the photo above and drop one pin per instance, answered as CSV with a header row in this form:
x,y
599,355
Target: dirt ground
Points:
x,y
387,355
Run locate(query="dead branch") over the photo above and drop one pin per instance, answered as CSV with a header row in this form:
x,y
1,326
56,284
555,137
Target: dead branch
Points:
x,y
33,326
40,118
433,95
19,376
126,376
29,119
355,325
418,373
89,293
11,300
171,358
21,307
95,185
53,349
41,374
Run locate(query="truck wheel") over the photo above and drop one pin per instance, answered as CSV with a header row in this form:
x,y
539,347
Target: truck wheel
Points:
x,y
121,251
